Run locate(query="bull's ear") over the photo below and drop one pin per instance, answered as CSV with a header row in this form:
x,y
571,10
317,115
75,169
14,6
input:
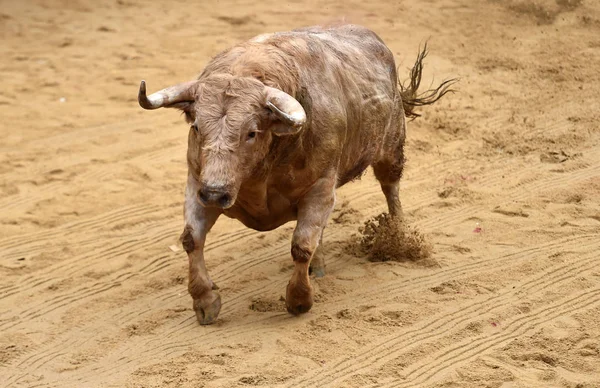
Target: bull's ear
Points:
x,y
290,115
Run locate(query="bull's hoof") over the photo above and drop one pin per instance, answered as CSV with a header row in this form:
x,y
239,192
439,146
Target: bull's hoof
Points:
x,y
319,272
207,309
297,309
298,300
317,266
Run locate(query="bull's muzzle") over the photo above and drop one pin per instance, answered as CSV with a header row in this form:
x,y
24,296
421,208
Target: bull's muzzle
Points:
x,y
213,196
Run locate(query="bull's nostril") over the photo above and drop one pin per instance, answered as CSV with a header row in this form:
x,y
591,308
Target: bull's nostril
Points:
x,y
203,197
215,197
224,200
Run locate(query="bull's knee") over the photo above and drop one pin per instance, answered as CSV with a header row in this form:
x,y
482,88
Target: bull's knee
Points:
x,y
301,252
187,239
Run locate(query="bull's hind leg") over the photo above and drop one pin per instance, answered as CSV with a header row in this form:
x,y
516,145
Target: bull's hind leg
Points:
x,y
388,169
388,173
392,196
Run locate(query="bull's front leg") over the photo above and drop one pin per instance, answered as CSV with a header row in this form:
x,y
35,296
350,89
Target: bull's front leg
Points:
x,y
198,222
313,212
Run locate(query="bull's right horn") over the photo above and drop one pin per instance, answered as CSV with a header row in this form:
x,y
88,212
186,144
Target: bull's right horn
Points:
x,y
169,97
287,109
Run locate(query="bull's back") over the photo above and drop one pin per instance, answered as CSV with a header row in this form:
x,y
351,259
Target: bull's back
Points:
x,y
352,48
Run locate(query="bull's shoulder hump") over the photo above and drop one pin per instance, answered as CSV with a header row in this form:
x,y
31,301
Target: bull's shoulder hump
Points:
x,y
349,34
261,38
352,39
342,31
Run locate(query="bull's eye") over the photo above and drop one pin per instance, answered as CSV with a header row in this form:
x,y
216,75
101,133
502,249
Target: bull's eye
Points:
x,y
251,135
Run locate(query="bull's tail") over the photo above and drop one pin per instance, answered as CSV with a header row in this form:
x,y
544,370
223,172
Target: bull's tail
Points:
x,y
409,90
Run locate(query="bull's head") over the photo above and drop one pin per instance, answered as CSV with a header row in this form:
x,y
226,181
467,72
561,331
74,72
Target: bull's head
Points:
x,y
232,124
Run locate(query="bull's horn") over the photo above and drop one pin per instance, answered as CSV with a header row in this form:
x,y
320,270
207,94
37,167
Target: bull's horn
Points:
x,y
183,92
286,108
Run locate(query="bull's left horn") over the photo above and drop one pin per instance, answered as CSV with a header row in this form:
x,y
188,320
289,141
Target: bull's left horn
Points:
x,y
286,108
183,92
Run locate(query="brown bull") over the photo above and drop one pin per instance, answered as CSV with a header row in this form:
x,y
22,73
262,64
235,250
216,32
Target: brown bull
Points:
x,y
277,124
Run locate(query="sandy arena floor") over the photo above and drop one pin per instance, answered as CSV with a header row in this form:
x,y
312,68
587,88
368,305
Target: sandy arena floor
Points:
x,y
91,193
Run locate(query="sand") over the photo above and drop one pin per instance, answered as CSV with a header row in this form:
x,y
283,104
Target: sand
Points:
x,y
502,180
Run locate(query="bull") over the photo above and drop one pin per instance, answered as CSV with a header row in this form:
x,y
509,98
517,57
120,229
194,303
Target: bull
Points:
x,y
277,123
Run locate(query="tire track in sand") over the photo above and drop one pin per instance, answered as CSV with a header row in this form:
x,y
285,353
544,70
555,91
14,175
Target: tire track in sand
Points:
x,y
439,325
554,276
471,349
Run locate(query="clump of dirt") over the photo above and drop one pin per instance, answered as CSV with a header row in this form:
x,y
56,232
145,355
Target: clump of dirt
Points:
x,y
386,238
252,380
264,305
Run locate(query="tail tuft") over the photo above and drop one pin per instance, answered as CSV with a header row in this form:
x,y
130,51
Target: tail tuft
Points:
x,y
409,92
